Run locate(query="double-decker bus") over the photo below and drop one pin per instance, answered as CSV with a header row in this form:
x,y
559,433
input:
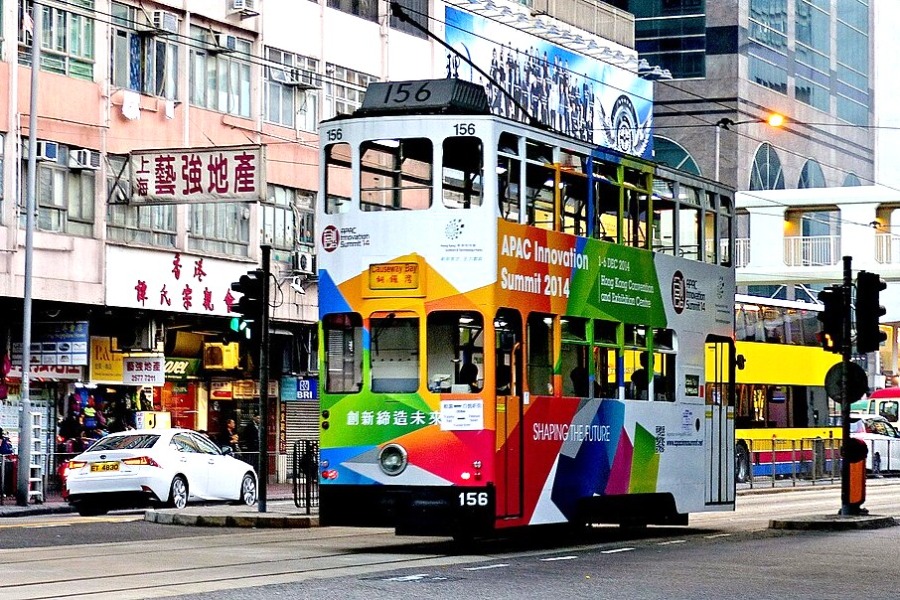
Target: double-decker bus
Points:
x,y
782,410
514,324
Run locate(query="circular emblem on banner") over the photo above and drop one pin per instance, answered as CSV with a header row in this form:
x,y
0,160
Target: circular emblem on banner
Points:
x,y
678,292
331,238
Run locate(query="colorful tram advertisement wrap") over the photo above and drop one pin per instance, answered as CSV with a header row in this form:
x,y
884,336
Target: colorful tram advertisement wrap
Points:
x,y
514,325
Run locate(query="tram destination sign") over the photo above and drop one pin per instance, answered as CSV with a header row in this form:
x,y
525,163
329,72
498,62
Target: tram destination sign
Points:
x,y
194,175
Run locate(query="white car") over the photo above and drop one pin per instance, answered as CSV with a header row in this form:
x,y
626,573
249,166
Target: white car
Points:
x,y
160,467
882,440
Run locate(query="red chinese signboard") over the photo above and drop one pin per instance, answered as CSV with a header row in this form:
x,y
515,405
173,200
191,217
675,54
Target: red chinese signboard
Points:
x,y
179,176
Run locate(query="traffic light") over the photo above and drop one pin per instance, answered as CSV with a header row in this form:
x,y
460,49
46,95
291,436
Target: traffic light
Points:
x,y
868,312
250,304
832,317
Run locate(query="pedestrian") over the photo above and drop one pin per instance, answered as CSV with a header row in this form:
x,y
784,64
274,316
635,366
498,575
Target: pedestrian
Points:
x,y
250,438
229,437
5,445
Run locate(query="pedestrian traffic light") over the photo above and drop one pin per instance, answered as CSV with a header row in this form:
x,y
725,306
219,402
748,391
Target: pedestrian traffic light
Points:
x,y
868,312
832,317
250,304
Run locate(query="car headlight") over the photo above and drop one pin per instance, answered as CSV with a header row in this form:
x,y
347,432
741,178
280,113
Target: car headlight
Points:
x,y
393,459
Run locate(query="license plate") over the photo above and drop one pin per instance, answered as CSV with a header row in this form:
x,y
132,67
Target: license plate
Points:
x,y
105,466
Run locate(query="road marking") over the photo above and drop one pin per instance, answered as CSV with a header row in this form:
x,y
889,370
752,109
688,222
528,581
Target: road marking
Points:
x,y
670,542
70,522
616,550
485,567
408,577
553,558
717,535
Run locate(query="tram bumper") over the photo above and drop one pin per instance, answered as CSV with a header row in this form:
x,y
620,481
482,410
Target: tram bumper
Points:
x,y
410,510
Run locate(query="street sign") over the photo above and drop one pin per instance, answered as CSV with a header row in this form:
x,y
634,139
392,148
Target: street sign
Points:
x,y
857,382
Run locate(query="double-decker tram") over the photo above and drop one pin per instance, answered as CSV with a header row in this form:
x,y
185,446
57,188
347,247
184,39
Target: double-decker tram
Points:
x,y
515,324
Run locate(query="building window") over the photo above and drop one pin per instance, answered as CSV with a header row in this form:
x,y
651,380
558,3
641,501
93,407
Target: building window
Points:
x,y
767,74
344,90
417,11
671,153
150,225
292,83
766,174
366,9
220,228
287,217
64,197
813,35
851,180
140,62
811,176
768,23
67,38
220,80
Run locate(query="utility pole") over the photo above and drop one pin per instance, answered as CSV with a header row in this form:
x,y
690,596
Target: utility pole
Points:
x,y
846,355
263,475
23,483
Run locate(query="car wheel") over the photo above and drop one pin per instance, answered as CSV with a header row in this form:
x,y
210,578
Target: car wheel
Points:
x,y
91,510
741,464
248,490
178,493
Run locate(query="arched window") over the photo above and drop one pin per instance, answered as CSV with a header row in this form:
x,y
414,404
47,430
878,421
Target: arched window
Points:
x,y
673,154
766,173
851,180
811,176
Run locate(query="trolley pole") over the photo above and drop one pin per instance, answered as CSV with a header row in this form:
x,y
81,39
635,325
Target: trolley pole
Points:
x,y
846,354
263,475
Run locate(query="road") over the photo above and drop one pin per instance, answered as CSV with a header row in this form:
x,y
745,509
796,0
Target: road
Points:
x,y
719,555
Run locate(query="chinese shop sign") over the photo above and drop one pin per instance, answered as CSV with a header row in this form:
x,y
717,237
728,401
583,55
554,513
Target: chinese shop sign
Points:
x,y
179,176
144,370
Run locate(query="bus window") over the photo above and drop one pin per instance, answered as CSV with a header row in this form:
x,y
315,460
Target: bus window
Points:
x,y
337,178
509,172
540,353
709,228
394,353
455,351
573,361
343,352
664,217
508,351
463,170
689,223
395,174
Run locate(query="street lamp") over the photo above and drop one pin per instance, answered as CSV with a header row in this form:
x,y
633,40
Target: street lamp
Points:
x,y
773,120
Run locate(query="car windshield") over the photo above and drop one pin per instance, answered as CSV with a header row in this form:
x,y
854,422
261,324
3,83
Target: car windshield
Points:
x,y
125,442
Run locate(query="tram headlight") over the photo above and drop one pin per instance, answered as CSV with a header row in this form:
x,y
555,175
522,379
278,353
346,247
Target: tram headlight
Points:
x,y
393,459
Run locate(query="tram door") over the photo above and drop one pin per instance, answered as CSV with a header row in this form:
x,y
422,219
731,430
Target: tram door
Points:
x,y
719,436
508,378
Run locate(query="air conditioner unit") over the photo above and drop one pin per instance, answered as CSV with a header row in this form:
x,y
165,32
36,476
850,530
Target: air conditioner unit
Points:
x,y
140,335
245,7
84,159
220,357
164,21
44,151
224,42
304,262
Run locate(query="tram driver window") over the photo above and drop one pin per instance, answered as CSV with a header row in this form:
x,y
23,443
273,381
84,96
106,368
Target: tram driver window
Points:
x,y
343,352
395,174
463,171
338,179
394,352
455,351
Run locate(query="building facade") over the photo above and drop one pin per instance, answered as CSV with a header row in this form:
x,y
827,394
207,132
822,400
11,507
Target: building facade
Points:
x,y
742,60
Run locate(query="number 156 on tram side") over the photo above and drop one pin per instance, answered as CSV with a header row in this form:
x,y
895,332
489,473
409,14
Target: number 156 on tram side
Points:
x,y
515,326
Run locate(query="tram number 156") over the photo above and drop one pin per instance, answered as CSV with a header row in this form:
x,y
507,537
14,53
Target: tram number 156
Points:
x,y
473,499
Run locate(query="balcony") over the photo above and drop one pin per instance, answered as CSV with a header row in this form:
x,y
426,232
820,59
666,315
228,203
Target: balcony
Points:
x,y
812,251
599,18
887,248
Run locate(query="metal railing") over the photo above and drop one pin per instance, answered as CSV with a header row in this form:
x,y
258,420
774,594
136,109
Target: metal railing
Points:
x,y
812,250
304,471
887,248
741,252
771,461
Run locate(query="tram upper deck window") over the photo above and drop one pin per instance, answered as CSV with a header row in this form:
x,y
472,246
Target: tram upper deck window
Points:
x,y
540,178
710,239
395,174
689,223
463,172
394,355
724,231
664,216
606,202
343,352
635,217
509,171
338,179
